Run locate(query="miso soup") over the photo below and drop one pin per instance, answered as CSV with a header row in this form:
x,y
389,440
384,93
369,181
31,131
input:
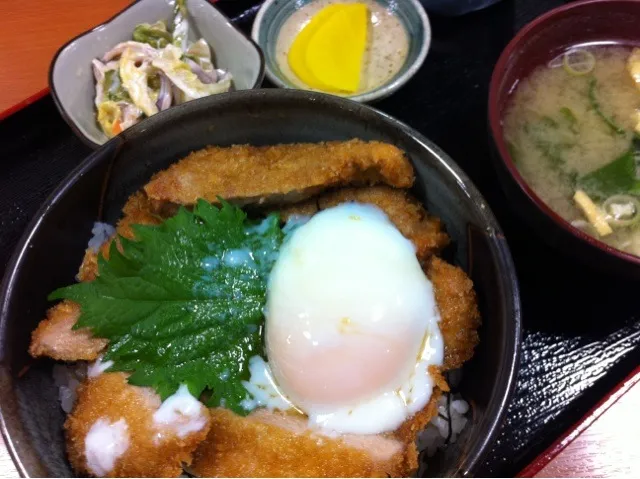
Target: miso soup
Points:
x,y
573,131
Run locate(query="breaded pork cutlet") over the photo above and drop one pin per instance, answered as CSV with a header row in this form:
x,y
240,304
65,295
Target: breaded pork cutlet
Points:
x,y
153,449
459,315
274,444
406,213
280,174
238,446
137,211
54,336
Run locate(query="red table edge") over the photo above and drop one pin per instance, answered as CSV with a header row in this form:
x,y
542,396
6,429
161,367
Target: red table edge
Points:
x,y
24,103
567,438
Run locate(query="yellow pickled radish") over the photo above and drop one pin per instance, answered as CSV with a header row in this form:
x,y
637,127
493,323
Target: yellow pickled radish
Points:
x,y
633,66
328,53
297,52
336,49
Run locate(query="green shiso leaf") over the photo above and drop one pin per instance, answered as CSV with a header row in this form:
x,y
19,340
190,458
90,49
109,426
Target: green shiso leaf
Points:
x,y
183,304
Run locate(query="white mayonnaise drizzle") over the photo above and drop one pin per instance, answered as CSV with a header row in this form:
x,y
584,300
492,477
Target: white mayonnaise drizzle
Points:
x,y
181,412
98,367
104,444
238,258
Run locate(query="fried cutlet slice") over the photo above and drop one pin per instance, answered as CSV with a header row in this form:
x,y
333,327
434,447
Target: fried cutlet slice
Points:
x,y
408,215
409,430
55,337
154,450
307,207
280,174
137,211
89,268
274,444
459,315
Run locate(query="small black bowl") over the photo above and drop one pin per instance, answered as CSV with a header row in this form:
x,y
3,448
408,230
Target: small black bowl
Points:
x,y
50,251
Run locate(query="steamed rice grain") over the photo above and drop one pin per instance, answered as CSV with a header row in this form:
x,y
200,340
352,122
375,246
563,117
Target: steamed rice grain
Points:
x,y
68,377
446,426
101,232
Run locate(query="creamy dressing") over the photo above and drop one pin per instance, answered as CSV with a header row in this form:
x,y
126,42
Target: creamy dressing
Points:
x,y
101,232
260,228
294,222
104,444
387,45
181,412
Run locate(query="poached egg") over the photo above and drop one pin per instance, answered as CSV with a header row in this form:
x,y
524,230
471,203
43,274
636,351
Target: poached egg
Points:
x,y
351,325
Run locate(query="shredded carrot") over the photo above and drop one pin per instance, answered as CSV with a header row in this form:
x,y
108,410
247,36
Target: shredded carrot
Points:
x,y
117,127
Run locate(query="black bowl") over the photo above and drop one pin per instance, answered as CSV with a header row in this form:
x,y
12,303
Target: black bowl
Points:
x,y
50,251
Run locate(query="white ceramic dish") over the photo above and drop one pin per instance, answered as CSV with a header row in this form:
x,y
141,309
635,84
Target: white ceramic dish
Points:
x,y
71,78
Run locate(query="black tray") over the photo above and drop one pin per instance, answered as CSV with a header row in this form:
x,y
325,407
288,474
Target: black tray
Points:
x,y
582,329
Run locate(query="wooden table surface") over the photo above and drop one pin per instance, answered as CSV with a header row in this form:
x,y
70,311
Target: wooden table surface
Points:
x,y
603,444
607,448
31,31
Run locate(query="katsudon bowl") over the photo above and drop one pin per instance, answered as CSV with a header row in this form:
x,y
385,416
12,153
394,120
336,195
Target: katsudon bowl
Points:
x,y
51,248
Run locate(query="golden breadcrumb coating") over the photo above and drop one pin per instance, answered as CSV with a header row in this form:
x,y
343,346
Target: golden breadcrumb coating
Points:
x,y
406,213
409,430
307,207
279,174
55,338
137,211
154,451
267,444
89,267
459,315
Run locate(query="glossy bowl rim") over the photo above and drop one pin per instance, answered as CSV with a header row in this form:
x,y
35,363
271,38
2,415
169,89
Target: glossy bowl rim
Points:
x,y
67,117
387,89
508,371
495,125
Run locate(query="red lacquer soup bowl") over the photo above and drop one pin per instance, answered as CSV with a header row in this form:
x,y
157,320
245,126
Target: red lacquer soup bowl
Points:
x,y
546,37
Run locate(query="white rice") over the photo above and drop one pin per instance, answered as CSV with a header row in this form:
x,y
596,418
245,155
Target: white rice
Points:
x,y
68,377
444,430
101,232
